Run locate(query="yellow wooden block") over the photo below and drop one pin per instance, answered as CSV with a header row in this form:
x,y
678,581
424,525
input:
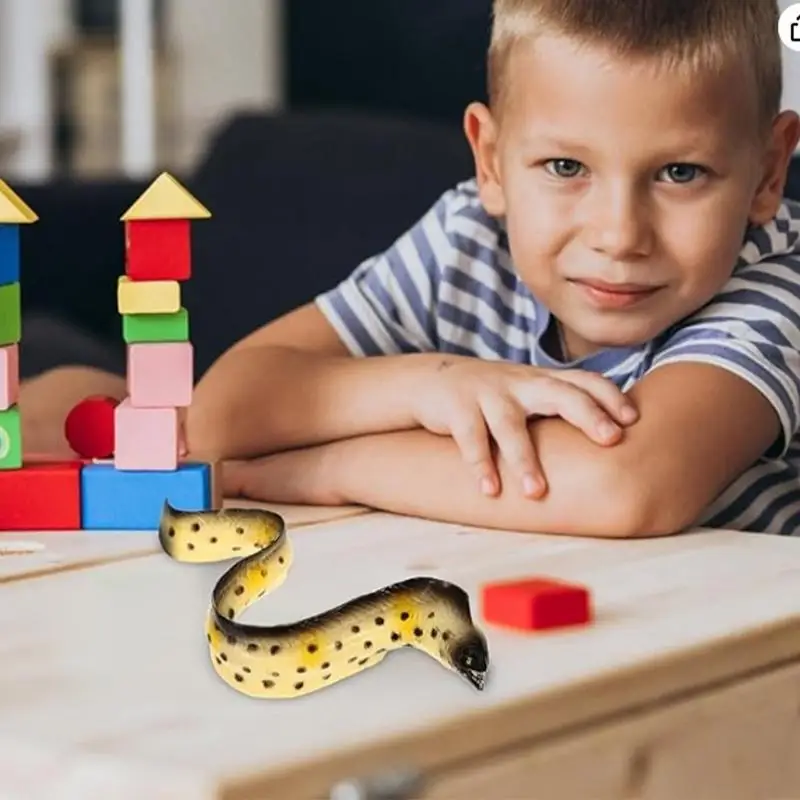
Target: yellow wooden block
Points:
x,y
148,297
166,198
13,209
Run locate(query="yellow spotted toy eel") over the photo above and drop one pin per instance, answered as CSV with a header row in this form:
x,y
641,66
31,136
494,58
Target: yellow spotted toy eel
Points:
x,y
285,661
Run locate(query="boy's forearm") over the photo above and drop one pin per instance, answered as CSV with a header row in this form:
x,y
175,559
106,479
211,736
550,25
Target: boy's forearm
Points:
x,y
46,400
421,474
56,391
261,400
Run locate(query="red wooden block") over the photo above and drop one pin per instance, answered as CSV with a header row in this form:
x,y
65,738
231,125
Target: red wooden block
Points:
x,y
158,249
89,427
536,604
41,497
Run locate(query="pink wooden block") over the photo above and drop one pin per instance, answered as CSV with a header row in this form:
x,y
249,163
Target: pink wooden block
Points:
x,y
9,376
145,438
161,374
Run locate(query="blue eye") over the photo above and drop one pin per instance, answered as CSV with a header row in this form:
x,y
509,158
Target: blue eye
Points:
x,y
564,167
682,173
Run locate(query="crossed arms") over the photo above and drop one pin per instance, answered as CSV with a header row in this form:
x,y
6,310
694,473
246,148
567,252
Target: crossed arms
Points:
x,y
292,392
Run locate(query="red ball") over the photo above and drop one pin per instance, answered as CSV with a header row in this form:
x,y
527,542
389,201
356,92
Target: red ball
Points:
x,y
89,427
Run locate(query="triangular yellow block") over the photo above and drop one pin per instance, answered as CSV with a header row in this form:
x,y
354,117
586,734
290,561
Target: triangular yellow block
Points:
x,y
13,209
165,198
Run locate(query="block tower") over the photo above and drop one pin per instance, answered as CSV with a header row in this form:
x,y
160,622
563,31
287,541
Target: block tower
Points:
x,y
13,213
128,490
35,493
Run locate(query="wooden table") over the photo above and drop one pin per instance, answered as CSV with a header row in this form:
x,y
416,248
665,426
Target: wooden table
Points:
x,y
686,686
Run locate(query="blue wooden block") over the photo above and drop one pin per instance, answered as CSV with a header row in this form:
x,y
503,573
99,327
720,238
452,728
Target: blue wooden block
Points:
x,y
9,254
131,500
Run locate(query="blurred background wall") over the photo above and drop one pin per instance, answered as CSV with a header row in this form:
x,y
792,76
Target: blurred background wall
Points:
x,y
62,78
63,75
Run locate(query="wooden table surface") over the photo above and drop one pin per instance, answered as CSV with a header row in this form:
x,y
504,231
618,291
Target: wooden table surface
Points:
x,y
29,555
687,685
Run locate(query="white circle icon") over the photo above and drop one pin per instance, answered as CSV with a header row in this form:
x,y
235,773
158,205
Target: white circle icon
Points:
x,y
5,444
789,27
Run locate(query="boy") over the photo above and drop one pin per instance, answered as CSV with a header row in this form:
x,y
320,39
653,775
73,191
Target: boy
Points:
x,y
598,335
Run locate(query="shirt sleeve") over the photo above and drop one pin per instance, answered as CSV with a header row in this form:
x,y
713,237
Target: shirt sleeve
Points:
x,y
387,305
752,328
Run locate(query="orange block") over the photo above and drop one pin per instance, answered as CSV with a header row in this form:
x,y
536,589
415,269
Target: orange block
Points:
x,y
42,496
536,604
145,438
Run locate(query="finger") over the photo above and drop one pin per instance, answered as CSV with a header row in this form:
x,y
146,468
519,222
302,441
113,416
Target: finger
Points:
x,y
605,392
469,432
183,447
507,422
556,398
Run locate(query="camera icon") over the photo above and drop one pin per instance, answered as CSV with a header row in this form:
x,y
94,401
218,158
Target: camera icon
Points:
x,y
789,27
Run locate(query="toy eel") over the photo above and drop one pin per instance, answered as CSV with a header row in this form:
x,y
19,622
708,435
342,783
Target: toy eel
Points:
x,y
291,660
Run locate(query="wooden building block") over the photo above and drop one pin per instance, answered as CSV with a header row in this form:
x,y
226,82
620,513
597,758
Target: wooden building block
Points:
x,y
117,500
139,328
9,254
10,314
9,376
10,439
89,427
41,497
166,198
536,604
148,297
158,250
217,495
160,374
13,209
145,438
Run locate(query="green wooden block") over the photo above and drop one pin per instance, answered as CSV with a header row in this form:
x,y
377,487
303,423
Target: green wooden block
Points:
x,y
10,314
10,439
138,328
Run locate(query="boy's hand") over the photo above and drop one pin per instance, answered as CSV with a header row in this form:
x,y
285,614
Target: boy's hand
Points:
x,y
475,401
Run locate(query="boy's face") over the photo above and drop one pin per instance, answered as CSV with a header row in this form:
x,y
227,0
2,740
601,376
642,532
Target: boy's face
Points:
x,y
626,188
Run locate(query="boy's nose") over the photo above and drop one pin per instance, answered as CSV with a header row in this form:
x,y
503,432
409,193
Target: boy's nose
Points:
x,y
618,226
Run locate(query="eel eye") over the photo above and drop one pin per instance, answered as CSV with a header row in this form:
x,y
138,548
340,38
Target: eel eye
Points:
x,y
471,656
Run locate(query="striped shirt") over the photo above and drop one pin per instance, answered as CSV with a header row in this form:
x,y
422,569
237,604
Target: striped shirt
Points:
x,y
448,285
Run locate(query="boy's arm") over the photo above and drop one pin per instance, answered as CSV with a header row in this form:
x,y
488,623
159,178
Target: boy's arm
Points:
x,y
699,427
722,392
293,383
308,377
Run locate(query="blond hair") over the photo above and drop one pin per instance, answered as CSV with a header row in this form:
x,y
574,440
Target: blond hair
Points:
x,y
699,34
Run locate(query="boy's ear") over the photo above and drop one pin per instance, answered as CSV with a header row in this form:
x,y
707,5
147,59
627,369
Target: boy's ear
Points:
x,y
780,148
481,132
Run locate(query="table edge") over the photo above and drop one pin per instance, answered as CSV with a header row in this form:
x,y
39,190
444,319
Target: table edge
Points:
x,y
579,705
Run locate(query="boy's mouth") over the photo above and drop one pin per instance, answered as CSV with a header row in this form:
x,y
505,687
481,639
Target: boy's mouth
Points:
x,y
614,295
